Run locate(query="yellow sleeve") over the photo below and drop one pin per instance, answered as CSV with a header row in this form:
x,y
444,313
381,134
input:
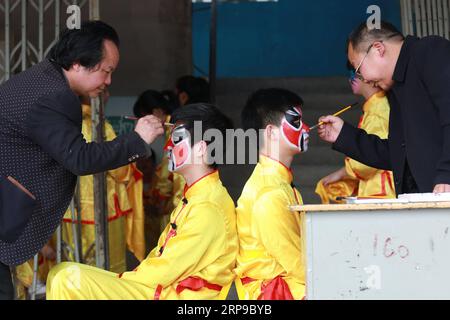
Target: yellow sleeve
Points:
x,y
197,244
372,124
279,230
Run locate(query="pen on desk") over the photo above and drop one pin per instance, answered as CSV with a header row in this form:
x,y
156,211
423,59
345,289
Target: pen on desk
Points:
x,y
335,115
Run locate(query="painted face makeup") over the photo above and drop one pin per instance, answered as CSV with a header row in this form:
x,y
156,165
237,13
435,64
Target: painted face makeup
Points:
x,y
355,82
178,148
294,131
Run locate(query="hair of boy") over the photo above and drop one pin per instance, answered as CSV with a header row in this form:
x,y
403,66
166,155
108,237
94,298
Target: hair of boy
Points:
x,y
209,116
268,106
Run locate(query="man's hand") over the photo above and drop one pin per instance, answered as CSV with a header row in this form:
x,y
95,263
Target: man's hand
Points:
x,y
334,177
149,128
331,128
442,188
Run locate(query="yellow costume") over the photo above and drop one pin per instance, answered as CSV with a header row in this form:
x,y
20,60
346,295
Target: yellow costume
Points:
x,y
125,209
270,263
194,258
365,181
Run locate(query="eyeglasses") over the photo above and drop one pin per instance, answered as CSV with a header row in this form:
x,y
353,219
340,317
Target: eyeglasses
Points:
x,y
353,76
357,73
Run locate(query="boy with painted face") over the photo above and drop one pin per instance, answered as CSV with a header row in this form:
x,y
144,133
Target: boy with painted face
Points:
x,y
196,253
270,263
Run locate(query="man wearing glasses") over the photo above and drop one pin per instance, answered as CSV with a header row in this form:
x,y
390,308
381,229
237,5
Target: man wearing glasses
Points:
x,y
415,73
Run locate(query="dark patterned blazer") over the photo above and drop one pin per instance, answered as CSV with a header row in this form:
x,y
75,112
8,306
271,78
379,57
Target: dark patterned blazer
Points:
x,y
42,151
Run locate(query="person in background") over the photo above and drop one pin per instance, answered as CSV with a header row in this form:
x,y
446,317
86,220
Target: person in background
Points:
x,y
355,178
271,262
190,89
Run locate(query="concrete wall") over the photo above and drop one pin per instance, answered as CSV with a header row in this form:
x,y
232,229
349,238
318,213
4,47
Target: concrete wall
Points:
x,y
155,43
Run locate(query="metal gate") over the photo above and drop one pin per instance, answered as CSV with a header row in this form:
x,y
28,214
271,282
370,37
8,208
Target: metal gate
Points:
x,y
426,17
31,28
28,30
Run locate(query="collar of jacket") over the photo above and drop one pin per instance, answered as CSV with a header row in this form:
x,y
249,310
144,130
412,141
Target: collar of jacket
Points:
x,y
202,184
270,165
59,70
403,59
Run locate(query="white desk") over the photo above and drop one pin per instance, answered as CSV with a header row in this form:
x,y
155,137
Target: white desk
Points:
x,y
378,251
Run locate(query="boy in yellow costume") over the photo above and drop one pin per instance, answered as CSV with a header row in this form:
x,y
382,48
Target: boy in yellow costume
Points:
x,y
355,178
196,253
270,263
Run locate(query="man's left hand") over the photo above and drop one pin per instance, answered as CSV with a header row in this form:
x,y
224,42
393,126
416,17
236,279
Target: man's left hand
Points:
x,y
442,188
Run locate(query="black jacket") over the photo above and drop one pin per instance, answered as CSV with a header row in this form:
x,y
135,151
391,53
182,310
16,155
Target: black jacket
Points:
x,y
419,125
42,148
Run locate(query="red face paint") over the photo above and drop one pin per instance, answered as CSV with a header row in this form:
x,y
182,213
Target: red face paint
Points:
x,y
178,148
294,131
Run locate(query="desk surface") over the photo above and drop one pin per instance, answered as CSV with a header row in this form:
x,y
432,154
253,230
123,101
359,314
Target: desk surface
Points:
x,y
371,207
380,254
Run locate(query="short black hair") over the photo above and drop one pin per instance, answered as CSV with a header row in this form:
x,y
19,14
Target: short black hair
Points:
x,y
211,118
83,46
196,88
172,100
362,37
267,106
148,101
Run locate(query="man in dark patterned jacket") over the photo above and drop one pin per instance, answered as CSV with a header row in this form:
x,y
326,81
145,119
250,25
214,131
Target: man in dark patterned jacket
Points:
x,y
42,149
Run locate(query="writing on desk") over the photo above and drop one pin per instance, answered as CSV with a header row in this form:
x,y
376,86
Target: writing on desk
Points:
x,y
390,249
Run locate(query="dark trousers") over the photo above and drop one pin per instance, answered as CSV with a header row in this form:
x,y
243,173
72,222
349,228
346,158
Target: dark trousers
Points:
x,y
6,285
